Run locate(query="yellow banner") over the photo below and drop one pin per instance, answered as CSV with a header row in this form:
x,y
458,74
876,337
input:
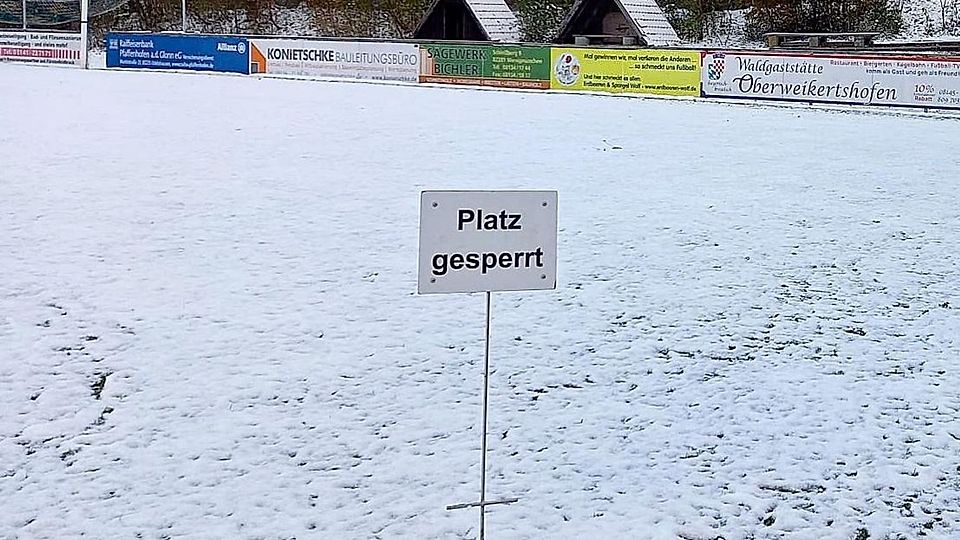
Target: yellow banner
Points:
x,y
638,71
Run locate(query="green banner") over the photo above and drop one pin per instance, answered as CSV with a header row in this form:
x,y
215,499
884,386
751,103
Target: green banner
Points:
x,y
486,65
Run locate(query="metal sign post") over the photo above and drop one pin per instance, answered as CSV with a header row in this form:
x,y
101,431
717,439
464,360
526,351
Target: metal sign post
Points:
x,y
84,33
483,440
485,241
483,503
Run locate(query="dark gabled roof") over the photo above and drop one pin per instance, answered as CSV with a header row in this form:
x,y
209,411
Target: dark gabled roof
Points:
x,y
495,18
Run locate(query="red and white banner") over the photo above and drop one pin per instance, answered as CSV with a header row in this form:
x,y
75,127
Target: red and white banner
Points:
x,y
41,47
916,81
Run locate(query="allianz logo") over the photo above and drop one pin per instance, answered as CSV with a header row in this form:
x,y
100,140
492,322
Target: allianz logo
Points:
x,y
240,47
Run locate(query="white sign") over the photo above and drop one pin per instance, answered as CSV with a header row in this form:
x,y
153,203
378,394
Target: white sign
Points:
x,y
336,59
915,81
475,241
41,48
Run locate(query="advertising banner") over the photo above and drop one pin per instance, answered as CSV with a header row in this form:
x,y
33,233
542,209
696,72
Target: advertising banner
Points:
x,y
639,71
486,65
336,59
914,81
41,48
174,51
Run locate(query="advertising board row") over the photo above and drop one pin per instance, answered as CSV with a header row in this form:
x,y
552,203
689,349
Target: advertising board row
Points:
x,y
600,70
284,57
912,81
52,48
541,68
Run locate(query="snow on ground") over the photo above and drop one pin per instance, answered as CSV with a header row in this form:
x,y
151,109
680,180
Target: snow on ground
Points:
x,y
930,18
208,326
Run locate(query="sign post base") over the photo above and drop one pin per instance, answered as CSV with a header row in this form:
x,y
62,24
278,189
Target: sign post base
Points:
x,y
481,504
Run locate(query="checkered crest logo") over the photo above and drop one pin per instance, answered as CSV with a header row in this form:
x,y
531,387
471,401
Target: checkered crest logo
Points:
x,y
715,69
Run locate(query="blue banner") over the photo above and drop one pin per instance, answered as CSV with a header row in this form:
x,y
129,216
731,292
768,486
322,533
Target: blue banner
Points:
x,y
178,51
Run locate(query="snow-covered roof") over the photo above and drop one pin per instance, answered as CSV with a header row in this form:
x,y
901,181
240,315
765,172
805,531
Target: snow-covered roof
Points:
x,y
650,22
496,19
644,16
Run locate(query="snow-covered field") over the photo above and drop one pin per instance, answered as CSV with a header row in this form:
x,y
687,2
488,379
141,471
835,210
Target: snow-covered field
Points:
x,y
208,326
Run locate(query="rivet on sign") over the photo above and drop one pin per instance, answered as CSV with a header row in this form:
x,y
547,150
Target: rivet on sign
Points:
x,y
544,203
543,276
433,280
435,204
